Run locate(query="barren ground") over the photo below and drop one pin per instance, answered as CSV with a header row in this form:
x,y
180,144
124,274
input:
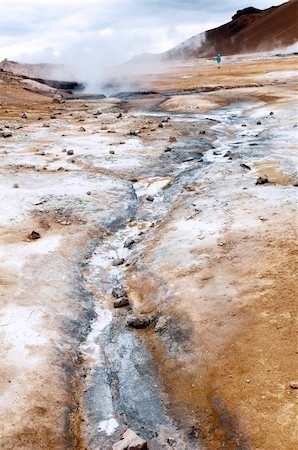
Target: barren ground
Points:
x,y
212,263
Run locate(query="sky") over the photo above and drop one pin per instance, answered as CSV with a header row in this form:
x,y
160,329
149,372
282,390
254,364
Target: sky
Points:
x,y
110,30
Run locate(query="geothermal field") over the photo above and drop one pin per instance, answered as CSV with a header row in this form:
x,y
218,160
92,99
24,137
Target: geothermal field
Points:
x,y
148,258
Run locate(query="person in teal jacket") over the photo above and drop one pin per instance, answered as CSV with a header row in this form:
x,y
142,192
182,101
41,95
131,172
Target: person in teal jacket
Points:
x,y
218,60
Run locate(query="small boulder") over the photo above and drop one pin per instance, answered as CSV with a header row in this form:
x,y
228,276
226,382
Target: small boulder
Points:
x,y
118,292
160,125
15,186
130,441
34,235
262,180
216,153
118,262
139,322
24,116
82,129
70,152
294,384
245,166
45,125
168,149
259,122
119,115
150,198
88,192
6,134
112,152
271,113
202,132
172,139
121,302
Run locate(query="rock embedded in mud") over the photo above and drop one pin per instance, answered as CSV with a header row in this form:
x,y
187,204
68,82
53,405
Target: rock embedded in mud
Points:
x,y
119,292
168,149
271,113
112,152
6,134
262,180
130,441
121,302
245,166
70,152
34,235
15,185
82,129
294,384
139,322
259,123
202,132
150,198
88,192
172,139
118,262
45,125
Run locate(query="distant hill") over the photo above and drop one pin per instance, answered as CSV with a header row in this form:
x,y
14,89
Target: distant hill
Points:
x,y
46,71
251,30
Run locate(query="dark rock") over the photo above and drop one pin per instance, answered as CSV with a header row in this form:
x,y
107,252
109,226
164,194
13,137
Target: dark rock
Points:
x,y
70,152
134,133
262,180
34,235
202,132
119,115
15,185
294,384
64,150
88,193
245,166
139,322
82,129
45,125
129,242
6,134
150,198
53,116
118,262
244,125
259,123
271,113
112,152
160,125
216,153
228,154
121,302
24,116
168,149
172,139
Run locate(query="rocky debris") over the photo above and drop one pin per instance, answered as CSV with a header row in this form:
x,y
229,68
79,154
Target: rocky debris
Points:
x,y
69,152
161,324
172,139
112,152
295,183
64,150
150,198
45,125
121,302
262,180
216,153
134,132
168,149
53,116
202,132
119,115
139,322
82,129
271,113
259,122
228,154
160,125
34,235
88,192
118,262
294,384
6,134
244,125
245,166
24,116
15,186
130,441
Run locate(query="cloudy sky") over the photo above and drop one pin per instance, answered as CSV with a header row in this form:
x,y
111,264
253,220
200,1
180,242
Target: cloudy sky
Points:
x,y
106,30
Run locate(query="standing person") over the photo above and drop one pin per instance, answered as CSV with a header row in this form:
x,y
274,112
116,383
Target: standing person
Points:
x,y
218,60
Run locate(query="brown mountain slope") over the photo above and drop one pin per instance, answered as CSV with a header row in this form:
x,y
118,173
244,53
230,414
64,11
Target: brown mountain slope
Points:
x,y
251,30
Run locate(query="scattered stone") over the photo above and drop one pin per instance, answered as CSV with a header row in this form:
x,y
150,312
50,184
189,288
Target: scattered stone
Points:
x,y
24,116
82,129
34,235
172,139
129,242
81,119
15,185
295,183
139,322
119,292
88,192
64,150
134,132
6,126
45,125
104,128
160,125
130,441
259,123
245,166
119,115
202,132
112,152
161,324
262,218
168,149
70,152
118,262
294,384
73,161
6,134
150,198
121,302
228,154
53,116
271,113
133,180
262,180
244,125
216,153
